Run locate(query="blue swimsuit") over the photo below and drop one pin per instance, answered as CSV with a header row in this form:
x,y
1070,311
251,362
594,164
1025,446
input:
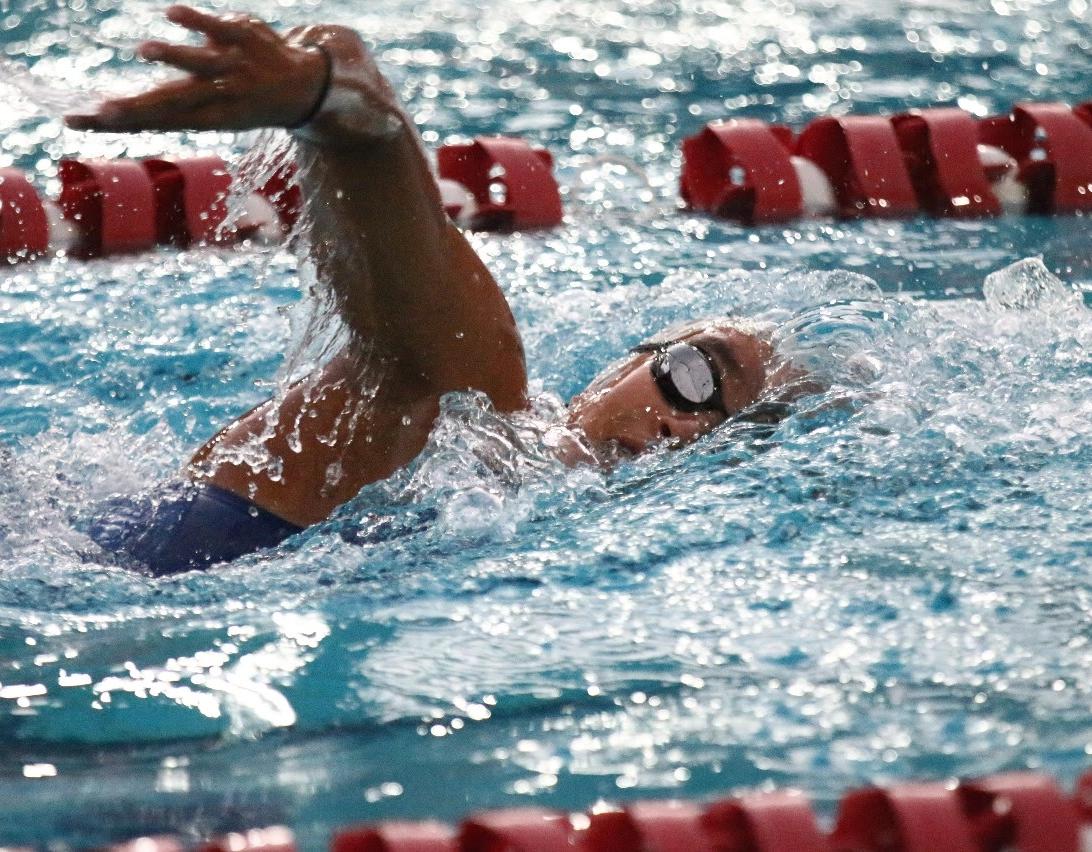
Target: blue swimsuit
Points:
x,y
185,525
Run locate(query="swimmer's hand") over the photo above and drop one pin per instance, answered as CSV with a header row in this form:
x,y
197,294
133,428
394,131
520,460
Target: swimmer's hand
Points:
x,y
245,76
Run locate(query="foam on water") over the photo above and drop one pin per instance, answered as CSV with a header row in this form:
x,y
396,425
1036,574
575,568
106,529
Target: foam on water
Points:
x,y
890,582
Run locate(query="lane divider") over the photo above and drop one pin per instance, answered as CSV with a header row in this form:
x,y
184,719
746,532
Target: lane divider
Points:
x,y
25,227
1009,812
109,207
508,184
943,162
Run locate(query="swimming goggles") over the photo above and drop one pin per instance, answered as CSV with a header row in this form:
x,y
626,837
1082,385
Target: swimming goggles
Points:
x,y
686,375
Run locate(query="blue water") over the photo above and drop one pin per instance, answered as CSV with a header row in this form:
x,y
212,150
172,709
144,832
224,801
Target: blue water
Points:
x,y
892,583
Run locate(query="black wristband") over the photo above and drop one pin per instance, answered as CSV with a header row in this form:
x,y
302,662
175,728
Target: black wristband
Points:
x,y
323,92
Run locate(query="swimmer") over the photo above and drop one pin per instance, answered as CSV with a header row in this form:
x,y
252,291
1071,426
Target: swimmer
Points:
x,y
424,315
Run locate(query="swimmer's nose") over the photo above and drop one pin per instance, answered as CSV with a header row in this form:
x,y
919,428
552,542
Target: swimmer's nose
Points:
x,y
639,429
686,428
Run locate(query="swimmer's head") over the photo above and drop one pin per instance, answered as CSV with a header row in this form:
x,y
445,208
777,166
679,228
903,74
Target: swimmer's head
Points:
x,y
677,386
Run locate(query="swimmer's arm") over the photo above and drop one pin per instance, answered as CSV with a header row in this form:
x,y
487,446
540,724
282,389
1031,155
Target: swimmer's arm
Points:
x,y
405,279
404,276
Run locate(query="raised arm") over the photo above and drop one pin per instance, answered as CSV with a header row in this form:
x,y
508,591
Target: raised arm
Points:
x,y
410,288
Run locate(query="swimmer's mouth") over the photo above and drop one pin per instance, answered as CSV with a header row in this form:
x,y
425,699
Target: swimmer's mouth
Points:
x,y
621,449
612,452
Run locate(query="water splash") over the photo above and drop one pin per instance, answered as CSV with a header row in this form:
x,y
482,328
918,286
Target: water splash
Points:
x,y
54,100
1028,285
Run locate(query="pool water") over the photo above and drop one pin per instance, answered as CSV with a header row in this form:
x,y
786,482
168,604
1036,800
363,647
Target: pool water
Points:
x,y
892,583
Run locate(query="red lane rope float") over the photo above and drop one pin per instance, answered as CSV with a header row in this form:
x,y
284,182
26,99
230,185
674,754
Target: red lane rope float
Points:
x,y
282,191
1025,811
1009,812
941,161
648,827
122,206
396,837
24,226
112,204
907,817
517,830
191,200
1037,160
862,157
764,822
1054,149
741,169
940,148
511,183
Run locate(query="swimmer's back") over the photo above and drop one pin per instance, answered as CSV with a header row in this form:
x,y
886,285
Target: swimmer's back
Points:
x,y
327,439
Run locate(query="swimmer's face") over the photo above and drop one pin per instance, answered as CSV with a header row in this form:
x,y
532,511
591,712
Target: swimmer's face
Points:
x,y
626,408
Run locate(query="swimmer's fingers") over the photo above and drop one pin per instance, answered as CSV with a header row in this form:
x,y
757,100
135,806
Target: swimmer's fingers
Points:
x,y
204,61
277,94
231,40
221,29
245,76
150,111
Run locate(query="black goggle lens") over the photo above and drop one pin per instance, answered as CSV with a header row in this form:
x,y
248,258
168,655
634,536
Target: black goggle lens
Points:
x,y
687,378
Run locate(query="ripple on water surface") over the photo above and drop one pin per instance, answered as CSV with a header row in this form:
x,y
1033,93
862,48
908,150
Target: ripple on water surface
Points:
x,y
887,583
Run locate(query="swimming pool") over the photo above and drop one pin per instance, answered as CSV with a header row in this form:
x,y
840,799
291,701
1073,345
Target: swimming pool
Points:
x,y
890,584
